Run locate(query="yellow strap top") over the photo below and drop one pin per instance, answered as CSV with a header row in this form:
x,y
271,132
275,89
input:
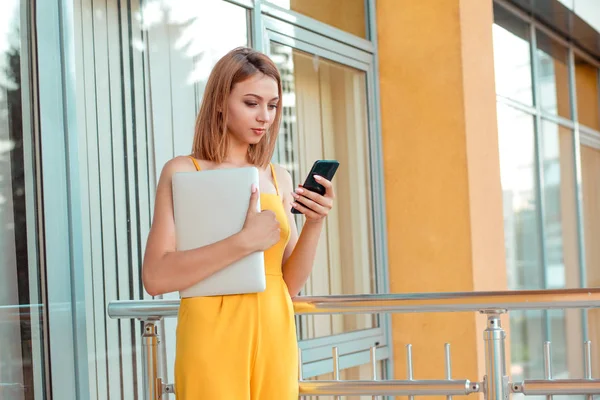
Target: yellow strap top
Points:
x,y
195,163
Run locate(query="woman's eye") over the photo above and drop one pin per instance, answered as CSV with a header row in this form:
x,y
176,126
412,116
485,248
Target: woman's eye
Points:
x,y
273,106
251,104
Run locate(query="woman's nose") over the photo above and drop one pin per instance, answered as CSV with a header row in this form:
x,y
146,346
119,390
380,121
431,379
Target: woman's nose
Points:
x,y
263,115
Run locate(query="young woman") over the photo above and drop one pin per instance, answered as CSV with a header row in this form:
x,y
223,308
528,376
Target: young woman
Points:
x,y
238,347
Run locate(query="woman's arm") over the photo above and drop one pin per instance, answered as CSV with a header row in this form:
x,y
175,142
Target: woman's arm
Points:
x,y
299,256
167,270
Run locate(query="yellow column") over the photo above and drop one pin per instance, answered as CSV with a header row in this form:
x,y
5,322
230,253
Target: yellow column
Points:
x,y
442,177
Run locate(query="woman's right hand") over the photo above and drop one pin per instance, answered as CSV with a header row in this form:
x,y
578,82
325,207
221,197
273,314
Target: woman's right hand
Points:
x,y
261,228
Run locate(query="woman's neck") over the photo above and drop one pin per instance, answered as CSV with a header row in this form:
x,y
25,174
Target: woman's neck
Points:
x,y
237,154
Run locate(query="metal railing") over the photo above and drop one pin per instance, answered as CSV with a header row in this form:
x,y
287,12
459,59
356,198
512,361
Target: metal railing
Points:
x,y
495,385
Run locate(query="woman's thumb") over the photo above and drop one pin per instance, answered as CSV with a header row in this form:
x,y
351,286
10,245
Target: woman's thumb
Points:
x,y
253,199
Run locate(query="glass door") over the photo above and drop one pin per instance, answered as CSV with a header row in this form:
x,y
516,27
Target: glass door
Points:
x,y
327,114
325,118
22,306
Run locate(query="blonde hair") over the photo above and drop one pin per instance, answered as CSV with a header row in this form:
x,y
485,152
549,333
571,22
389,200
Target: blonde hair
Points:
x,y
211,141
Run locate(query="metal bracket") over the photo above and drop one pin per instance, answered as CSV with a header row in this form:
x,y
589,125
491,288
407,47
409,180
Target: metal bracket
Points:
x,y
168,388
493,311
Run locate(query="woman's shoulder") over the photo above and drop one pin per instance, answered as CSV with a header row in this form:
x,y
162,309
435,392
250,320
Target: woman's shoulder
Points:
x,y
178,164
283,175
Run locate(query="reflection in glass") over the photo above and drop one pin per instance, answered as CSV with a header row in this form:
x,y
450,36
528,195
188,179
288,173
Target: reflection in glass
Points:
x,y
325,117
527,336
512,61
553,76
349,17
560,219
518,177
185,39
21,347
197,31
588,94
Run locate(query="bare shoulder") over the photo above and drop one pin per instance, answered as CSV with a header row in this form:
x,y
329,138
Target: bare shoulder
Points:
x,y
284,177
177,164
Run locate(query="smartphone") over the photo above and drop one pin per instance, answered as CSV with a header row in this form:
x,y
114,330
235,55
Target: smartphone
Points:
x,y
324,168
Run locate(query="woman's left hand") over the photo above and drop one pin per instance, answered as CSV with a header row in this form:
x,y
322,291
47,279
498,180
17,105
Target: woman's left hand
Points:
x,y
313,205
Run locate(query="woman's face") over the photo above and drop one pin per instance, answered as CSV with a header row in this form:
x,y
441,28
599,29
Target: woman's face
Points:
x,y
251,108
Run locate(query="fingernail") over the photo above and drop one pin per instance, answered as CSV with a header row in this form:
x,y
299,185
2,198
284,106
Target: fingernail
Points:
x,y
253,188
295,195
318,177
299,190
294,205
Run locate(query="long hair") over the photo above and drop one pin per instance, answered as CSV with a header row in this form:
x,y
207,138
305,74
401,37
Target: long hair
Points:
x,y
211,141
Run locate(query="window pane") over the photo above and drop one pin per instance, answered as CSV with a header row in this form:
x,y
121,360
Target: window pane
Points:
x,y
527,336
586,85
560,348
21,305
527,333
523,244
512,61
325,118
590,171
553,76
185,39
562,253
560,209
518,177
349,16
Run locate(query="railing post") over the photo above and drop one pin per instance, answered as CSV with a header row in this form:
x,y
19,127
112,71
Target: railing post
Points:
x,y
588,364
152,384
496,379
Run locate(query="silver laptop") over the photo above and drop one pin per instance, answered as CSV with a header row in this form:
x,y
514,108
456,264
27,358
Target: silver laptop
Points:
x,y
209,206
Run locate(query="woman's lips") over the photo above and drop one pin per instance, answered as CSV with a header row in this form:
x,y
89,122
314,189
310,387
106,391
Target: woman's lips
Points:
x,y
259,131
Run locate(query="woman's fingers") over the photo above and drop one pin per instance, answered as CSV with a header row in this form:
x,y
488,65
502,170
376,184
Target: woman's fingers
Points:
x,y
308,203
322,201
306,211
327,185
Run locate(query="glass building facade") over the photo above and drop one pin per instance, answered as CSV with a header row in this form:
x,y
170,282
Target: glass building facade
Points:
x,y
95,97
549,144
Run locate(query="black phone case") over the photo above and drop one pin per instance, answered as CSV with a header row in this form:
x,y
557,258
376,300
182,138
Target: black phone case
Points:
x,y
324,168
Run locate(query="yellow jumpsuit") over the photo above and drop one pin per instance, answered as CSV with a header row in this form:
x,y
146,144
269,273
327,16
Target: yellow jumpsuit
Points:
x,y
241,347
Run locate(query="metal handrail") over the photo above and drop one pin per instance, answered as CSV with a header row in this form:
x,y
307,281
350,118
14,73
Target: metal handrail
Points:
x,y
496,384
394,303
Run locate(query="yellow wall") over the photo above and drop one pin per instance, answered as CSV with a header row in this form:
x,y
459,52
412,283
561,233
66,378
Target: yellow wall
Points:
x,y
444,201
347,15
